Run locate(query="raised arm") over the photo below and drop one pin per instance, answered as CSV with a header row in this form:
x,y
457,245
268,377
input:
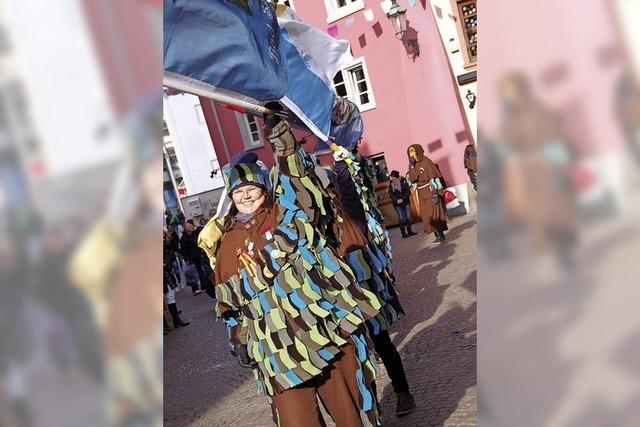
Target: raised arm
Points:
x,y
348,194
301,185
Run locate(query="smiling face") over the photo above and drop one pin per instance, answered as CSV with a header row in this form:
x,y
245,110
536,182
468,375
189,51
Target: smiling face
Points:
x,y
412,153
248,199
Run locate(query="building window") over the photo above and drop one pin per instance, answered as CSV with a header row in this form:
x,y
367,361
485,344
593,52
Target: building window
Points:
x,y
380,171
165,128
340,85
352,83
173,162
338,9
467,23
250,131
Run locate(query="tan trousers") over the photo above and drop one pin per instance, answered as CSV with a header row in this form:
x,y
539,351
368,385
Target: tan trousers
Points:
x,y
338,389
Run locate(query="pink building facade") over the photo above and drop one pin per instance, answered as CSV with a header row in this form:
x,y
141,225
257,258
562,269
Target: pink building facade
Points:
x,y
403,100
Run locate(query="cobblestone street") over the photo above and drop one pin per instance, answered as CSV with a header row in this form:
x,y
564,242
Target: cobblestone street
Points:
x,y
204,386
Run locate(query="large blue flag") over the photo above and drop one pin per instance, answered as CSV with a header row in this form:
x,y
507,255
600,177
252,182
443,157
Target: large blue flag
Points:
x,y
229,44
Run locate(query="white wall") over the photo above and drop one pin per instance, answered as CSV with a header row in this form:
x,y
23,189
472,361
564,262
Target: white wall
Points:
x,y
65,90
448,29
627,14
192,142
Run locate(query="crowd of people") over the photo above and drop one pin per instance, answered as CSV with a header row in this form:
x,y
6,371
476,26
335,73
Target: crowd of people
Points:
x,y
302,275
184,265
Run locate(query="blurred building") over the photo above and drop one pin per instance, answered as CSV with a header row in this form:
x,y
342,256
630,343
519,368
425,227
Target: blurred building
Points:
x,y
626,14
14,133
128,41
457,22
574,71
72,141
405,90
192,177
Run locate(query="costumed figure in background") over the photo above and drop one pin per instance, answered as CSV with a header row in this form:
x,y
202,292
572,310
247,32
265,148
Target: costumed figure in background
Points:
x,y
430,187
364,243
471,164
541,183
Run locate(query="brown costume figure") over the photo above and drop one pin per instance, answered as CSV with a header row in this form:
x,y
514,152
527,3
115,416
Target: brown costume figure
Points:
x,y
294,310
430,188
471,164
539,167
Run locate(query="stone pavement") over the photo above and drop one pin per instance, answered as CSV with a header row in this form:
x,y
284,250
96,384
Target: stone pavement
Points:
x,y
204,386
560,345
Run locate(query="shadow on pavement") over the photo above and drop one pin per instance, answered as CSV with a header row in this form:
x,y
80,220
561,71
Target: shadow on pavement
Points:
x,y
537,325
440,360
441,369
453,233
421,271
199,370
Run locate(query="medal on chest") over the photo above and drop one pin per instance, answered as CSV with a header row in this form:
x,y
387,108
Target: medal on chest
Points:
x,y
267,232
246,257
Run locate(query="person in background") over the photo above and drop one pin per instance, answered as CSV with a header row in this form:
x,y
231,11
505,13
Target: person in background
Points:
x,y
171,239
471,164
169,287
193,280
192,254
364,243
627,105
399,194
173,219
168,217
171,245
205,272
541,162
181,218
430,187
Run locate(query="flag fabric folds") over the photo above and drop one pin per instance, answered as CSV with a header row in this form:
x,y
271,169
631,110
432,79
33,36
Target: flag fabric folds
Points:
x,y
346,125
324,54
308,96
245,51
229,44
313,58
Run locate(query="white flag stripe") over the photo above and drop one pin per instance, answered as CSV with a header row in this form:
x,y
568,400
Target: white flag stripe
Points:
x,y
324,54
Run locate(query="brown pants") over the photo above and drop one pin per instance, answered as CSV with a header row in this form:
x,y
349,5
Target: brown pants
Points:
x,y
338,389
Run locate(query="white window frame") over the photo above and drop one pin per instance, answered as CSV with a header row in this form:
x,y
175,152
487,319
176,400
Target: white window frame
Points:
x,y
245,130
352,94
199,113
335,12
